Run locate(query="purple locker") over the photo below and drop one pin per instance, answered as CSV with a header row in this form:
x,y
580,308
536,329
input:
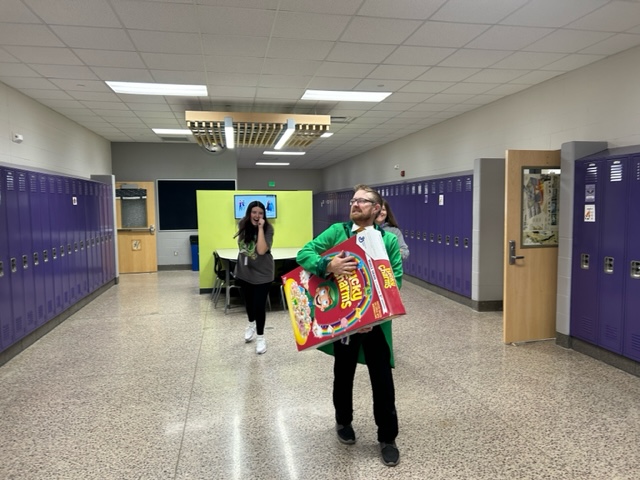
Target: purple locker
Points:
x,y
433,232
458,226
64,230
612,270
424,222
467,234
95,222
77,276
631,333
410,264
6,302
26,251
110,234
37,246
449,212
46,261
585,262
414,248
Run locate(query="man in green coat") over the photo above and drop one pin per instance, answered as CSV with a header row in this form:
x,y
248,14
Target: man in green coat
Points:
x,y
371,346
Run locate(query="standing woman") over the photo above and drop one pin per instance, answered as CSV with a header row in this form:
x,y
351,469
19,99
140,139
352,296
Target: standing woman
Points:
x,y
255,269
387,221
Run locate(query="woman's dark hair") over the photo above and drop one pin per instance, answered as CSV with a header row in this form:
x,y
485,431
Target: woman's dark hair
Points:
x,y
391,219
247,231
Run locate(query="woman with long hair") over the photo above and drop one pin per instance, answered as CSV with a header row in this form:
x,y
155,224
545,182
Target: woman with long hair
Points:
x,y
387,221
255,270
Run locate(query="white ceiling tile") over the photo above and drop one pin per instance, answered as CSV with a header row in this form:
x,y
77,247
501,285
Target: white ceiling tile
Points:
x,y
379,30
234,46
474,58
164,42
235,21
516,37
226,92
482,99
233,64
338,7
300,49
55,104
233,79
95,105
279,66
616,16
397,72
284,81
567,41
109,58
552,13
447,74
46,94
412,9
6,57
374,85
153,107
448,99
477,11
332,83
93,37
165,61
441,34
16,70
284,93
408,55
495,75
158,16
15,11
42,55
122,74
94,96
431,107
528,60
406,97
426,87
65,71
259,4
470,88
572,62
349,70
533,78
613,45
359,52
28,35
179,76
29,82
312,26
507,89
92,13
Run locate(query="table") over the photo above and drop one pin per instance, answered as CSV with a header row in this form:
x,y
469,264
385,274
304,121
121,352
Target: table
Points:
x,y
227,254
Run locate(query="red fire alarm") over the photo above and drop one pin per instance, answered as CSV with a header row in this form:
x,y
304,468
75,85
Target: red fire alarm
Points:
x,y
402,173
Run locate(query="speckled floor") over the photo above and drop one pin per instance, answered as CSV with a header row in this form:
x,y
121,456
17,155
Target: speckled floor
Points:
x,y
149,381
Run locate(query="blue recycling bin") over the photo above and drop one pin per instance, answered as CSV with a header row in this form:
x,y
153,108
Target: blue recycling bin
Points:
x,y
195,254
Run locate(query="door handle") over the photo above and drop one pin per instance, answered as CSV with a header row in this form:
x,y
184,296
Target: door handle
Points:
x,y
152,229
512,253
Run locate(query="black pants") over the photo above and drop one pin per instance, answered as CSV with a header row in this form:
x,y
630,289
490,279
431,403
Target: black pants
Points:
x,y
255,299
377,356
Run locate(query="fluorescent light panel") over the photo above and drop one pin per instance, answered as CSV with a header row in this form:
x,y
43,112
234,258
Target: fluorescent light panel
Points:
x,y
291,127
345,96
271,152
326,134
168,89
228,133
171,131
277,164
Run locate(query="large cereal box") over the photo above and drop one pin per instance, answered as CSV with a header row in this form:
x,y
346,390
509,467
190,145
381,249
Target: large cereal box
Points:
x,y
323,310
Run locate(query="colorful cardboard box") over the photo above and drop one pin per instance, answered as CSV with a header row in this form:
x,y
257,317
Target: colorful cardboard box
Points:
x,y
323,310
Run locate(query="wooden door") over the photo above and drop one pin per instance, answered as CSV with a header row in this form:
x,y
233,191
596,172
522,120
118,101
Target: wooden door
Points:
x,y
136,221
532,184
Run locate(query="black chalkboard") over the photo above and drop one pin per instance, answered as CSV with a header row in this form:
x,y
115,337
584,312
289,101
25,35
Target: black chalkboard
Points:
x,y
177,204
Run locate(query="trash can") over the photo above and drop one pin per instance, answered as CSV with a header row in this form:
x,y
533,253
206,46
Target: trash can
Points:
x,y
195,263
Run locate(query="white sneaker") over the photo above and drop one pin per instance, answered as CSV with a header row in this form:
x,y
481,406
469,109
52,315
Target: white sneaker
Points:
x,y
250,332
261,345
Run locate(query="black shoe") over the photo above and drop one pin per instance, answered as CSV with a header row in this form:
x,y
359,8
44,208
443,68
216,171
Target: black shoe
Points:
x,y
390,454
346,434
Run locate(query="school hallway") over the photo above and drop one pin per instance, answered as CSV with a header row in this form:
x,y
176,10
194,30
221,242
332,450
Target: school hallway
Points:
x,y
150,382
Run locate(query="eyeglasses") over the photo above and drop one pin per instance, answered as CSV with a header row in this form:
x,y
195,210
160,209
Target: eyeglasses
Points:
x,y
360,201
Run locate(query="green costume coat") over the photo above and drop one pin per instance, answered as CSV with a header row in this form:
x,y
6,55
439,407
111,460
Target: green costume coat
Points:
x,y
310,258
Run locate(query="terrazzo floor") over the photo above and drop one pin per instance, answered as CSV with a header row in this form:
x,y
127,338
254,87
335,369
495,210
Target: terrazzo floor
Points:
x,y
149,381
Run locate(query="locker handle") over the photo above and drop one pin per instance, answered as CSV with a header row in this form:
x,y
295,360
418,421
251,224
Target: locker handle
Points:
x,y
62,252
608,265
1,268
456,241
512,253
25,262
584,261
635,269
45,256
447,240
439,238
54,252
466,243
36,260
14,265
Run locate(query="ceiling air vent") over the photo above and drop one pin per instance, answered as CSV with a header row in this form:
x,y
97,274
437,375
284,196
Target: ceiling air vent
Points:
x,y
341,119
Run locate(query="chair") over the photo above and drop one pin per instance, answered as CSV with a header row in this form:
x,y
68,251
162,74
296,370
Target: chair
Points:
x,y
223,278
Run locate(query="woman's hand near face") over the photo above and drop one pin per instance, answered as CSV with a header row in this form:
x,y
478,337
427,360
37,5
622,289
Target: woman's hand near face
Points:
x,y
261,223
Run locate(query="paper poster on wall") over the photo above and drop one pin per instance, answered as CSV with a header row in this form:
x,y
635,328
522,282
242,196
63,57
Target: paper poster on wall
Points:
x,y
589,213
589,193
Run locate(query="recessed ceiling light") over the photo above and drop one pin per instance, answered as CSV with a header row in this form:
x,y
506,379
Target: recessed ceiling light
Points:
x,y
326,134
158,89
276,164
171,131
272,152
345,96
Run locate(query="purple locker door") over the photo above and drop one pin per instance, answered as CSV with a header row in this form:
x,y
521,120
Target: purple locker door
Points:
x,y
440,232
449,212
98,228
35,255
458,222
410,265
414,249
26,251
631,331
467,235
16,272
88,245
46,260
76,260
433,232
6,300
423,218
110,234
54,247
585,261
612,269
64,203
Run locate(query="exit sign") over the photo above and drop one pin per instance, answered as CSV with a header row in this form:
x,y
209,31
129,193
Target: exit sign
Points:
x,y
272,184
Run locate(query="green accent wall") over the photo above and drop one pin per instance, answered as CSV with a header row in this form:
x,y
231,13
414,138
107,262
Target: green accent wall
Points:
x,y
216,225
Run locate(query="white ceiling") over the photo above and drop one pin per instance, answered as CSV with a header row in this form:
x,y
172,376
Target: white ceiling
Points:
x,y
440,58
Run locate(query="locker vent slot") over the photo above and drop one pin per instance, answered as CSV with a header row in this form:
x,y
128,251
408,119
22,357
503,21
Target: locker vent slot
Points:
x,y
638,171
591,176
615,173
433,187
458,185
22,182
33,184
468,183
10,182
43,185
611,332
635,342
449,186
